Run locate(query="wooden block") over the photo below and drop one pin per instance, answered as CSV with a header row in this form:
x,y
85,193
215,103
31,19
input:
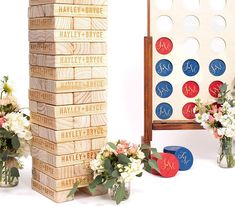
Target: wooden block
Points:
x,y
50,98
98,120
57,149
97,144
73,110
73,86
65,10
57,124
83,146
67,36
87,2
36,83
99,72
62,48
82,23
52,73
68,60
98,96
72,134
82,98
33,106
99,24
62,172
62,184
63,160
40,2
99,2
51,23
58,197
82,73
98,48
34,129
82,122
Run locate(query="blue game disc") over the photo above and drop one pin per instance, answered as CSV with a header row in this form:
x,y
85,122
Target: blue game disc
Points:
x,y
164,111
191,67
217,67
164,67
164,89
184,156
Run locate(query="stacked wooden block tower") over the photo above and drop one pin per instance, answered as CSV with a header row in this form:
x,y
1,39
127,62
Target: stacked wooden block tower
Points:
x,y
68,70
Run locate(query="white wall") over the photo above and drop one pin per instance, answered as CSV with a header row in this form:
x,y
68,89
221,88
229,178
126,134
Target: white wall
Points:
x,y
127,27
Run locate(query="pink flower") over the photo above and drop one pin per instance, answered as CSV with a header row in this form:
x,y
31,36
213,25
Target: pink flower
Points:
x,y
217,136
120,150
133,150
124,143
2,120
211,119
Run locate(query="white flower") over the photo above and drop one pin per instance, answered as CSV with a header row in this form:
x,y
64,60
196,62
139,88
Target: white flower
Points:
x,y
205,117
221,131
140,154
198,118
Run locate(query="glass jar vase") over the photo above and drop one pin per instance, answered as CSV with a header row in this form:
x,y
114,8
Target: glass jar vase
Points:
x,y
113,191
226,155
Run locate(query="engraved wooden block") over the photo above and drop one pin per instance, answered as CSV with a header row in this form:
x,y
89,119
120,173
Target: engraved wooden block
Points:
x,y
34,129
64,48
73,110
58,197
83,146
61,184
99,24
57,124
82,122
50,98
98,96
33,106
52,73
98,48
68,60
67,36
40,2
72,134
63,160
82,23
97,144
83,73
99,72
57,149
51,23
98,119
60,10
62,172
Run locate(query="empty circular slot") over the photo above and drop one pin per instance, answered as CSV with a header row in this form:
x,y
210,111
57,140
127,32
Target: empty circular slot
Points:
x,y
164,24
191,23
192,4
191,46
218,23
217,5
164,4
218,45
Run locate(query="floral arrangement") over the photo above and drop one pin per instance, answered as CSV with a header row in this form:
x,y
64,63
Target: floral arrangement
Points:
x,y
15,134
219,118
117,164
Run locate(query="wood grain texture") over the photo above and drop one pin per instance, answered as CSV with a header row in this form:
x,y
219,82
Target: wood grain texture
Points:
x,y
83,146
82,122
83,73
58,197
82,23
67,36
99,24
98,48
51,23
176,125
99,72
40,2
52,73
34,129
33,106
97,144
98,120
90,97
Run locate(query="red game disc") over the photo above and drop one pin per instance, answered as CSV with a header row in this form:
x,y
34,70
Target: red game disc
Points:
x,y
190,89
188,110
164,45
214,88
168,165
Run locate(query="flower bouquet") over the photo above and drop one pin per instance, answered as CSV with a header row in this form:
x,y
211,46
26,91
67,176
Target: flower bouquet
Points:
x,y
117,164
14,136
219,118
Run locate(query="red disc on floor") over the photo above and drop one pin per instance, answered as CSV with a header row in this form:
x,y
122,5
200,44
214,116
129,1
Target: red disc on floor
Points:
x,y
188,110
164,45
168,165
214,88
190,89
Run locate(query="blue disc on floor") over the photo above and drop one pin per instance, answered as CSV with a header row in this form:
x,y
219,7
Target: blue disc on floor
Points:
x,y
183,154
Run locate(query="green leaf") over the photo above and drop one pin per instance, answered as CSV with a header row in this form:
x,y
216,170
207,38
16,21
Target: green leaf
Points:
x,y
73,190
97,181
223,88
110,183
147,167
14,172
145,146
123,159
108,166
4,156
113,146
15,142
120,194
153,165
139,175
146,153
155,153
115,173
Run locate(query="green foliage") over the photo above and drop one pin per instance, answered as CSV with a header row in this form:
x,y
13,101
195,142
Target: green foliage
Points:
x,y
108,166
97,181
15,142
73,190
120,193
110,183
153,164
123,159
14,172
155,153
113,146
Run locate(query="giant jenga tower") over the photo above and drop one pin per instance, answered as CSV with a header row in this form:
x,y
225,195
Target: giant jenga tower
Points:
x,y
68,71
